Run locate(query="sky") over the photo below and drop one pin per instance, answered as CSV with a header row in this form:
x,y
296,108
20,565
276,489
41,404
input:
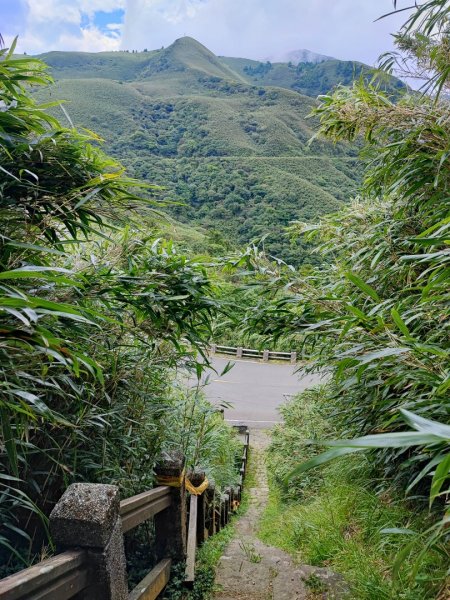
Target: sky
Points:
x,y
257,29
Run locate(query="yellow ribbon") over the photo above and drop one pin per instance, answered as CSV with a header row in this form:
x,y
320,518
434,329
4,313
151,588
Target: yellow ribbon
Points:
x,y
170,480
177,482
196,491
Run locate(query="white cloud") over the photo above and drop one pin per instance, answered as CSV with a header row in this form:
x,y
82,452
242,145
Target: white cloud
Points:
x,y
70,10
92,6
250,28
92,40
114,26
258,28
55,11
68,25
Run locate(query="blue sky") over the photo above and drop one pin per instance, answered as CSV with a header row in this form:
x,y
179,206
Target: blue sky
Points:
x,y
257,29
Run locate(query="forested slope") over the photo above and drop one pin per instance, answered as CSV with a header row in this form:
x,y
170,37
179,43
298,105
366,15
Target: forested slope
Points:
x,y
231,151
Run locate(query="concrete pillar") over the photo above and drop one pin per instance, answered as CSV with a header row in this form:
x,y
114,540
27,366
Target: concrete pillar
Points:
x,y
265,356
87,516
171,524
293,358
213,348
239,352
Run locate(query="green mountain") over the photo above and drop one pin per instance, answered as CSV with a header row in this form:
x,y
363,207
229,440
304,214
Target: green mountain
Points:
x,y
227,138
309,78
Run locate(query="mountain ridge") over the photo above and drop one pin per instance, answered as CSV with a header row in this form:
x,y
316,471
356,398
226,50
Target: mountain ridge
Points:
x,y
187,55
227,139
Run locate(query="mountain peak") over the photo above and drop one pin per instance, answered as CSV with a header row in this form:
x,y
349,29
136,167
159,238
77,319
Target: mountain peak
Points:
x,y
298,56
188,53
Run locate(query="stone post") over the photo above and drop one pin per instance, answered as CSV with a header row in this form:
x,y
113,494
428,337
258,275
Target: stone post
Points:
x,y
293,358
213,349
87,516
171,524
265,356
239,352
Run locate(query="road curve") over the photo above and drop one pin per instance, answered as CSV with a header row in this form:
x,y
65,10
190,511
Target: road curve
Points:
x,y
255,389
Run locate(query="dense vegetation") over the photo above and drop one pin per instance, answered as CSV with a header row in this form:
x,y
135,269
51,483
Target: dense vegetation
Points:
x,y
96,314
233,153
334,518
376,316
308,78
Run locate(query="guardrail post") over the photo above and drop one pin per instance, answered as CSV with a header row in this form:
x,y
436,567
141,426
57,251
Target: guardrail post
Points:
x,y
213,348
170,524
265,355
236,497
293,358
211,499
218,514
239,352
228,503
87,516
223,510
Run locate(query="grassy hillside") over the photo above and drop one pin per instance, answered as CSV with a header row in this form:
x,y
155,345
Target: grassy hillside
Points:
x,y
224,137
107,65
310,79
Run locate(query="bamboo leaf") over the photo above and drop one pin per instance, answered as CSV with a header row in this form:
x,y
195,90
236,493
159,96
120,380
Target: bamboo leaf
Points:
x,y
363,286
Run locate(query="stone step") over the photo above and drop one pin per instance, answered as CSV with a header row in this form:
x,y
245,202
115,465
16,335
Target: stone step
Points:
x,y
250,570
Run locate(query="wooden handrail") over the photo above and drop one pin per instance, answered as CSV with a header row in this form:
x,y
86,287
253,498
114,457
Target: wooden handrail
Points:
x,y
66,575
57,578
137,509
153,583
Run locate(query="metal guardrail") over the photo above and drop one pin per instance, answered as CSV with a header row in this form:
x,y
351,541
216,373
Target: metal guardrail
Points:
x,y
264,355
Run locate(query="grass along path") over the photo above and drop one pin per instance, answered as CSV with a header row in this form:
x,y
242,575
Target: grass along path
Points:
x,y
251,570
332,516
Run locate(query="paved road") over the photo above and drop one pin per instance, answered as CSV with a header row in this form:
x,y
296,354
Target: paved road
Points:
x,y
255,390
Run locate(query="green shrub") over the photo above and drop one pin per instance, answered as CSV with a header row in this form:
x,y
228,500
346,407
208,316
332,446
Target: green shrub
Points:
x,y
94,318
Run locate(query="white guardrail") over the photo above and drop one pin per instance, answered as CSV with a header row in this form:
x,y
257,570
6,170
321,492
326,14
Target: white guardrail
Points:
x,y
264,355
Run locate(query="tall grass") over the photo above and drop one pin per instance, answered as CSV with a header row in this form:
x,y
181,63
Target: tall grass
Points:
x,y
334,518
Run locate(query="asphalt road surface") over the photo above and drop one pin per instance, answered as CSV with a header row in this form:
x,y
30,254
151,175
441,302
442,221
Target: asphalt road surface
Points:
x,y
255,390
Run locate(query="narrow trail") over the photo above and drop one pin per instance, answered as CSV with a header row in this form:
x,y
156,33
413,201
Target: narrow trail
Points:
x,y
251,570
